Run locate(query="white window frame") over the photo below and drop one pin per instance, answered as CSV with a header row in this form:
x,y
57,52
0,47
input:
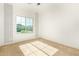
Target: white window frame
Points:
x,y
25,24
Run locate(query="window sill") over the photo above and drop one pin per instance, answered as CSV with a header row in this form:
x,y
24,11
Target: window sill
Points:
x,y
24,33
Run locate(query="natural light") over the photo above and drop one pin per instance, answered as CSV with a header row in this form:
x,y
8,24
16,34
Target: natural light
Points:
x,y
24,24
37,48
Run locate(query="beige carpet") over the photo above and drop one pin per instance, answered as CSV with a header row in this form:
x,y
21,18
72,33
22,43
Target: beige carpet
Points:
x,y
37,48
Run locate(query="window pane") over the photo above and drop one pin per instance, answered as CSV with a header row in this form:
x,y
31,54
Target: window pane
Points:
x,y
29,24
18,20
23,21
24,24
20,24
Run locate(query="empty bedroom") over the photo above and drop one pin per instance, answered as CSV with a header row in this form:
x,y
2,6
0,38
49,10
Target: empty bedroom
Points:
x,y
39,29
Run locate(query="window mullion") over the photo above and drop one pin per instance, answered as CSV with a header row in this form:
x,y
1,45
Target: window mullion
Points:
x,y
25,23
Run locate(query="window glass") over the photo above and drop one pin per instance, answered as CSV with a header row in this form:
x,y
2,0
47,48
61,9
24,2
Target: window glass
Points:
x,y
24,24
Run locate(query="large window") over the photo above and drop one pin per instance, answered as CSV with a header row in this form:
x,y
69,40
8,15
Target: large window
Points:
x,y
24,24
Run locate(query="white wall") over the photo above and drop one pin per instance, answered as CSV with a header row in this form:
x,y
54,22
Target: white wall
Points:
x,y
23,10
5,23
8,13
1,23
60,23
8,22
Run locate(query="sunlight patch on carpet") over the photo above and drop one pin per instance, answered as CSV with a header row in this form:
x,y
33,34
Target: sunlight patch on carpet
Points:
x,y
37,48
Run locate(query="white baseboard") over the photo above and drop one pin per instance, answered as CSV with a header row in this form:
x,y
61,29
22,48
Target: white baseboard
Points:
x,y
51,39
16,41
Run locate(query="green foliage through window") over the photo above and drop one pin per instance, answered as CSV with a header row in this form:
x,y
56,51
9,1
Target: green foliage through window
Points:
x,y
24,24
